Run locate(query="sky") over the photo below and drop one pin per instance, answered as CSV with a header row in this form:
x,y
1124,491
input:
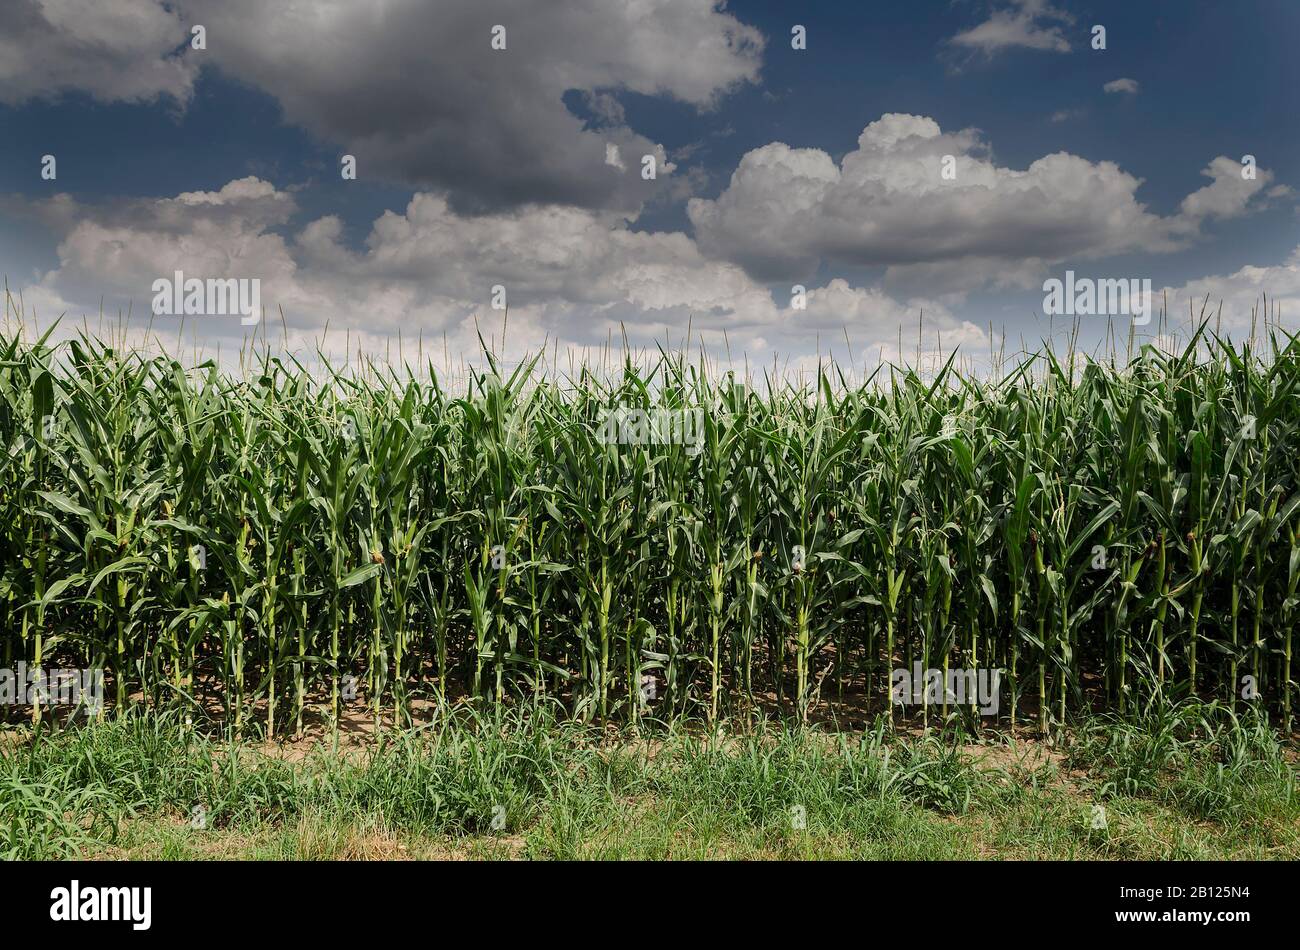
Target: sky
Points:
x,y
866,180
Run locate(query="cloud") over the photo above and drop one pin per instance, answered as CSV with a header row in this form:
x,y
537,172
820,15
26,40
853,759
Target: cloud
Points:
x,y
1024,24
840,304
787,211
112,50
1242,291
571,275
415,91
122,246
1230,194
1126,86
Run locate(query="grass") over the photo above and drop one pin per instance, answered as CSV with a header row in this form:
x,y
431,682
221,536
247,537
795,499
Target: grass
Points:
x,y
1199,783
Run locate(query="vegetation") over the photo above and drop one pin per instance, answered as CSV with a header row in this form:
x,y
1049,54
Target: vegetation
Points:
x,y
1112,536
506,784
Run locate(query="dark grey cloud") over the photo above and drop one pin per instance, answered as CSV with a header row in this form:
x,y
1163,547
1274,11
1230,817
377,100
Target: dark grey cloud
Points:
x,y
416,92
113,50
413,88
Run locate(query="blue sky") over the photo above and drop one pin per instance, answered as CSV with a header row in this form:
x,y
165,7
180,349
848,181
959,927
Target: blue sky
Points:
x,y
480,167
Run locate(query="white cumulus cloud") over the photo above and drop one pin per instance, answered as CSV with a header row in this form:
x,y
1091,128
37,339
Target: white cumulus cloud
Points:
x,y
1023,24
912,197
572,276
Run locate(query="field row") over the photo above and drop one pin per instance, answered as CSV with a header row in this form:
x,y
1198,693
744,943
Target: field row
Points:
x,y
1101,536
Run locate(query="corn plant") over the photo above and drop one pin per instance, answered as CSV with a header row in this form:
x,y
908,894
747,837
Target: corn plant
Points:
x,y
282,545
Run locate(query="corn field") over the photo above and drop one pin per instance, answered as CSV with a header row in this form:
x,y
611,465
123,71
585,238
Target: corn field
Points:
x,y
261,544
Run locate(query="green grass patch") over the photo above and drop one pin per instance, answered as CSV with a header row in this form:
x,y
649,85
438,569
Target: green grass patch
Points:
x,y
1193,782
